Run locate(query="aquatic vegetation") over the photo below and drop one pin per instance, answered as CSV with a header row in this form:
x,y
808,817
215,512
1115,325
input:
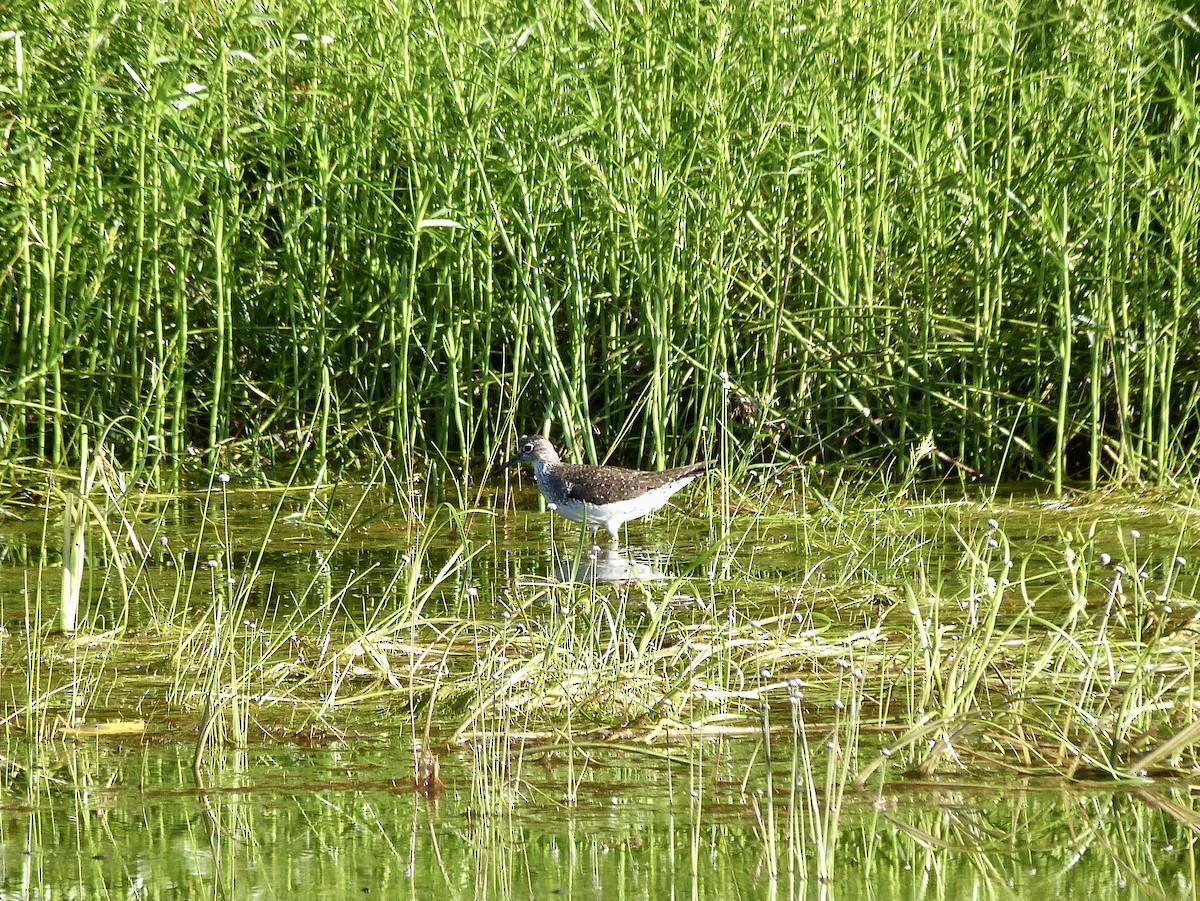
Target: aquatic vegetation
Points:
x,y
912,237
282,283
804,679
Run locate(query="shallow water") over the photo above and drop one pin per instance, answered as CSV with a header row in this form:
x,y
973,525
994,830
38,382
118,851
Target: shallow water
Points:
x,y
321,617
100,820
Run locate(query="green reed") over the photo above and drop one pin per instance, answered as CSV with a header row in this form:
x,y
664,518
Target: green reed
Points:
x,y
831,232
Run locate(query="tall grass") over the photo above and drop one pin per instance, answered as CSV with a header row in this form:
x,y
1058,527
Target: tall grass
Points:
x,y
832,231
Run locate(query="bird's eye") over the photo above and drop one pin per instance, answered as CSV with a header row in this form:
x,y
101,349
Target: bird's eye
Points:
x,y
528,448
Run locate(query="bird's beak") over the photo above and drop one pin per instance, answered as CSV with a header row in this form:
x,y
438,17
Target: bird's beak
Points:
x,y
500,467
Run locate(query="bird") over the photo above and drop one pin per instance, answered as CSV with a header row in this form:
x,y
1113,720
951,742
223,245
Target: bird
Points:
x,y
599,496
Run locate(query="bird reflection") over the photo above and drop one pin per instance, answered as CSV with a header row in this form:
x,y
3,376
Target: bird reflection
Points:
x,y
606,564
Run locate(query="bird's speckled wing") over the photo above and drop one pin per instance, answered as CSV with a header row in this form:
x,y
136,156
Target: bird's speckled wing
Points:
x,y
600,485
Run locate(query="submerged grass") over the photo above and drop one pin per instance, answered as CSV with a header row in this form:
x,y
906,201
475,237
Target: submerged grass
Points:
x,y
921,237
812,668
953,638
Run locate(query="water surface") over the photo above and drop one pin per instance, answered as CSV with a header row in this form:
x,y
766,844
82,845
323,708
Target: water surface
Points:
x,y
799,701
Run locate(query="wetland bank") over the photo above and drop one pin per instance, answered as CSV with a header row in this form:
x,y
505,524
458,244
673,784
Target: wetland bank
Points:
x,y
282,281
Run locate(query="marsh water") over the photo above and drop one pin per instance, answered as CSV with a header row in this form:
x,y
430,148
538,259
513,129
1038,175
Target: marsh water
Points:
x,y
733,705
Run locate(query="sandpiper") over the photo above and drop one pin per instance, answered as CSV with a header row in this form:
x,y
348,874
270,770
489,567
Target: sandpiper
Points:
x,y
599,496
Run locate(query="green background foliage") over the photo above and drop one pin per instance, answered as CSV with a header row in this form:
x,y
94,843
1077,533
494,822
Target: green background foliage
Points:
x,y
918,235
